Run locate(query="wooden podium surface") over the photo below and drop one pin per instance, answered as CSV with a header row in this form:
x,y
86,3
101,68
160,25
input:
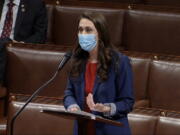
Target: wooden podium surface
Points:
x,y
80,115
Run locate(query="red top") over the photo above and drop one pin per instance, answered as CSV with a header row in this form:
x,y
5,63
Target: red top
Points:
x,y
90,76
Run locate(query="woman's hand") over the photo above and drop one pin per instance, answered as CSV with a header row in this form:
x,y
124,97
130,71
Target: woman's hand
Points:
x,y
99,107
73,109
14,41
90,101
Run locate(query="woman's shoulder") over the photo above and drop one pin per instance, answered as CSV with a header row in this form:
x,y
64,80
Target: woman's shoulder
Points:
x,y
119,56
120,61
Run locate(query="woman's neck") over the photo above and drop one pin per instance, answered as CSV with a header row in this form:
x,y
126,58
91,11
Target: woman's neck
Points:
x,y
93,56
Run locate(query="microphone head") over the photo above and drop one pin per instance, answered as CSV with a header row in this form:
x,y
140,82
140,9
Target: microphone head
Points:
x,y
68,54
64,60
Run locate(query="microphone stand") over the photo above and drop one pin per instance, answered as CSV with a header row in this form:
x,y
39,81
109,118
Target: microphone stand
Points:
x,y
39,90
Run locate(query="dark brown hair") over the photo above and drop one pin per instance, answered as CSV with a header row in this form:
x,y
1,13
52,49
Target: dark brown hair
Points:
x,y
104,50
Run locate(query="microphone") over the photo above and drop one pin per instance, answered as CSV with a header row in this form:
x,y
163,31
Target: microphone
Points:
x,y
66,57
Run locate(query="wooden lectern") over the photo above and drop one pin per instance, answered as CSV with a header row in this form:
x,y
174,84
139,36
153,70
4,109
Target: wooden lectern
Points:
x,y
81,117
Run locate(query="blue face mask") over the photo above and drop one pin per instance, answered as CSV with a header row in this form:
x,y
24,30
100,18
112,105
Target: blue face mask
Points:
x,y
87,41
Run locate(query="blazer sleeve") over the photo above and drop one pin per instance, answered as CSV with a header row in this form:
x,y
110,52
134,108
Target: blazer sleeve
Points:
x,y
39,30
124,85
69,95
2,59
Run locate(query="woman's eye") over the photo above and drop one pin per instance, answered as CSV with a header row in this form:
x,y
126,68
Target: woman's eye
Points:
x,y
80,29
88,29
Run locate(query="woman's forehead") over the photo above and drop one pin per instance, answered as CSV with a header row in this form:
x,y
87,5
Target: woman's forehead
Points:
x,y
86,22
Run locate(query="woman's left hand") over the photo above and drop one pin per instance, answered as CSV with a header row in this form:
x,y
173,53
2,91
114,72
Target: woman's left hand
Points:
x,y
102,108
99,107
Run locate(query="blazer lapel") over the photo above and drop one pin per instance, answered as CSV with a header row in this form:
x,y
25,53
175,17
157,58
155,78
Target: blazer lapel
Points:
x,y
82,88
21,11
96,84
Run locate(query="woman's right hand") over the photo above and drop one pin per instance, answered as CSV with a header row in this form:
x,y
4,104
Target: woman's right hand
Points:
x,y
73,109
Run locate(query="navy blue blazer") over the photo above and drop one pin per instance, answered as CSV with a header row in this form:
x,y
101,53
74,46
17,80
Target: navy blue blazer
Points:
x,y
117,89
31,22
